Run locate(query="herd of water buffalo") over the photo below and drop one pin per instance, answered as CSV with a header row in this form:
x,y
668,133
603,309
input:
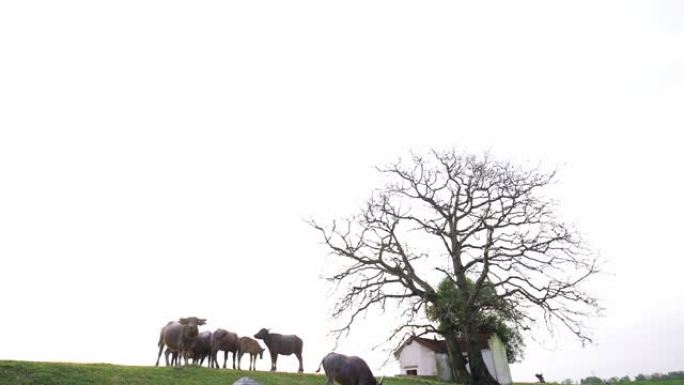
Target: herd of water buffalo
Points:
x,y
184,341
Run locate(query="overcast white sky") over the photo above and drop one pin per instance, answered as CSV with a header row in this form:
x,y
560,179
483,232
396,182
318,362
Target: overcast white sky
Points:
x,y
157,160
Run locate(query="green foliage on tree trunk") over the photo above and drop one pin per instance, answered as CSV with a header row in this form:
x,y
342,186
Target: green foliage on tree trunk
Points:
x,y
494,316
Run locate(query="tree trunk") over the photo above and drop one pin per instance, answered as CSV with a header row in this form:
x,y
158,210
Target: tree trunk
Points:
x,y
459,374
478,369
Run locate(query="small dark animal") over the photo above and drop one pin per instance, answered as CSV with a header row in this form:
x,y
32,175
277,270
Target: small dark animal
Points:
x,y
174,356
248,345
540,377
281,344
179,336
201,348
347,370
223,340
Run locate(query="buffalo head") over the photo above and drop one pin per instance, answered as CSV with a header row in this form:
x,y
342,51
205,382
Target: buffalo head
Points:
x,y
263,334
190,325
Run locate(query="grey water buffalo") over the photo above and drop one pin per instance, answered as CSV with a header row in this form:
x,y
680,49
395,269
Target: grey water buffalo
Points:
x,y
248,345
347,370
223,340
178,337
201,348
281,344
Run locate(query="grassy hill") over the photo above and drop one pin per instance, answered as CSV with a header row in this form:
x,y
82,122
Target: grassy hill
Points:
x,y
44,373
48,373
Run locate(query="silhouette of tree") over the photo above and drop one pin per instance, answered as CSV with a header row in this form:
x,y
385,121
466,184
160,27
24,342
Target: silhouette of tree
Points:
x,y
476,222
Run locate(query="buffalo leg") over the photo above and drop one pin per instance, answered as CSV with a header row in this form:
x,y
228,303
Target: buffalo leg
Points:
x,y
240,359
235,352
301,367
161,347
274,360
225,358
212,359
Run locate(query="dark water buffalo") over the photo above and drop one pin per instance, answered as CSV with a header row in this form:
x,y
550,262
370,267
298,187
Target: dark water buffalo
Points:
x,y
347,370
174,356
179,336
223,340
281,344
201,348
250,346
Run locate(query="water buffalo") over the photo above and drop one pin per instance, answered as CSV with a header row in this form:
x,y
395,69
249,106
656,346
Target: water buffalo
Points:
x,y
173,354
281,344
248,345
178,336
201,348
347,370
223,340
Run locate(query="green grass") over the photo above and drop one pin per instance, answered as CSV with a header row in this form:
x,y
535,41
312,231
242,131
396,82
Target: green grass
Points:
x,y
49,373
647,382
44,373
656,382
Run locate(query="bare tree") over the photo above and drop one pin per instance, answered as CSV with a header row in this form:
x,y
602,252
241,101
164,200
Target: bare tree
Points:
x,y
475,221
